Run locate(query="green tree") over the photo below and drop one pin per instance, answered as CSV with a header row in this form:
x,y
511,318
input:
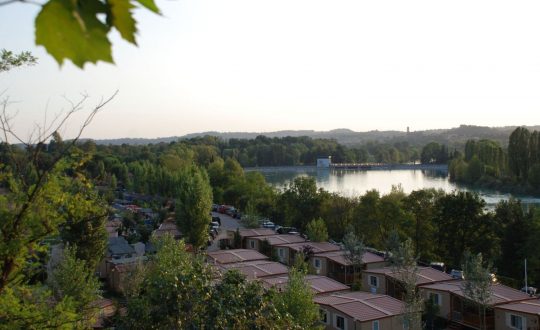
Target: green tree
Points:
x,y
301,202
174,292
404,264
355,250
475,170
64,302
193,207
316,230
462,225
477,284
238,304
421,205
73,278
85,223
79,31
296,302
9,60
518,152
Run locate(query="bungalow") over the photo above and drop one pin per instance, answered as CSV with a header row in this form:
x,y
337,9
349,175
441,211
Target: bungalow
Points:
x,y
265,243
455,307
360,311
257,269
120,270
320,285
336,265
168,227
117,249
387,280
245,234
520,315
287,252
233,256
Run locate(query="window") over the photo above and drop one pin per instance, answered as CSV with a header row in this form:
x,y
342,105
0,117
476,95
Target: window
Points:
x,y
374,281
517,322
375,325
251,244
280,252
340,322
436,298
317,263
323,315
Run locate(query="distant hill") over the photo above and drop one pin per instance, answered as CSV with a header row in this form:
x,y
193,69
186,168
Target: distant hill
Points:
x,y
453,137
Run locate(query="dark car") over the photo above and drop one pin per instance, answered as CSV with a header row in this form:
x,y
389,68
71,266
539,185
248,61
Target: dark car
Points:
x,y
216,219
286,230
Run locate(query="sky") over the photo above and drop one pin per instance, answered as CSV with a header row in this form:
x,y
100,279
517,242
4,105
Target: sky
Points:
x,y
259,66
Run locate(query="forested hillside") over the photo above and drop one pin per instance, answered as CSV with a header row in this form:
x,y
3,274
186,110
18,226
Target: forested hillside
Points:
x,y
454,137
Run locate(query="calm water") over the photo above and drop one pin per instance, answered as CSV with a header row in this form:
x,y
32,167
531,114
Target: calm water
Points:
x,y
354,182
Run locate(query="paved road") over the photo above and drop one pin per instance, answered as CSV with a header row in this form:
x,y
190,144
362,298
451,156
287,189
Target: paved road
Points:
x,y
227,223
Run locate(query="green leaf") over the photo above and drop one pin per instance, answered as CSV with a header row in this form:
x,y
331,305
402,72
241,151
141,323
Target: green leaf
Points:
x,y
122,19
68,31
149,4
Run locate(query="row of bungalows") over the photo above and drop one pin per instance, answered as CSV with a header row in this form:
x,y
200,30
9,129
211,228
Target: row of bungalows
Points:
x,y
256,266
387,280
326,259
503,310
507,309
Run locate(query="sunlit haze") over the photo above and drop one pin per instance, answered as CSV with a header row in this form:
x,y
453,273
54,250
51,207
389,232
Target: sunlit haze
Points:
x,y
288,64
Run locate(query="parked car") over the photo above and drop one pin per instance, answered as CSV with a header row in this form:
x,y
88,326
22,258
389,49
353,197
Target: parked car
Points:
x,y
438,266
529,290
286,230
214,224
216,219
224,208
231,211
215,207
456,273
268,224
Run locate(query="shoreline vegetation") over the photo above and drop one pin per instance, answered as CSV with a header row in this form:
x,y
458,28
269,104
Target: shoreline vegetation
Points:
x,y
486,164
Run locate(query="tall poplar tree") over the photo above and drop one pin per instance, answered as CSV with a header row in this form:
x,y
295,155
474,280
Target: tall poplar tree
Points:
x,y
193,206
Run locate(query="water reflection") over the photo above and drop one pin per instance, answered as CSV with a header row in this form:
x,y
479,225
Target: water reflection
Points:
x,y
353,183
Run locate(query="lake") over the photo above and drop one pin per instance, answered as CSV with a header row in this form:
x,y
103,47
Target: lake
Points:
x,y
353,183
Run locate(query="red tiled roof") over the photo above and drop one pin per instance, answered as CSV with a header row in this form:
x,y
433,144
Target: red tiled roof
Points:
x,y
235,255
257,269
363,306
319,284
527,307
281,239
425,275
339,257
500,293
318,247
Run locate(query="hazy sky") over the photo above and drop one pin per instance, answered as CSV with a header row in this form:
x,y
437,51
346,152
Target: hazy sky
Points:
x,y
255,65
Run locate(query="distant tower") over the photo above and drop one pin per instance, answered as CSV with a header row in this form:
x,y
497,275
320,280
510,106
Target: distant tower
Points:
x,y
408,131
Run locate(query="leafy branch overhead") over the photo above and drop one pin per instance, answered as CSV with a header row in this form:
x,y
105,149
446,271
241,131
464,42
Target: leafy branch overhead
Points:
x,y
79,30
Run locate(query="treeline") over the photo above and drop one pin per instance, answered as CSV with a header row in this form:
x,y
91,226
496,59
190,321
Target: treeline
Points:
x,y
486,163
265,151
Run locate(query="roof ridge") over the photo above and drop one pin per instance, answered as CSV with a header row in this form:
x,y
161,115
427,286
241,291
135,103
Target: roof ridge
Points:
x,y
530,302
236,255
363,301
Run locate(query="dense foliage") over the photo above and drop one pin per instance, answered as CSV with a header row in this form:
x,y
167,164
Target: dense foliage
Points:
x,y
487,163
